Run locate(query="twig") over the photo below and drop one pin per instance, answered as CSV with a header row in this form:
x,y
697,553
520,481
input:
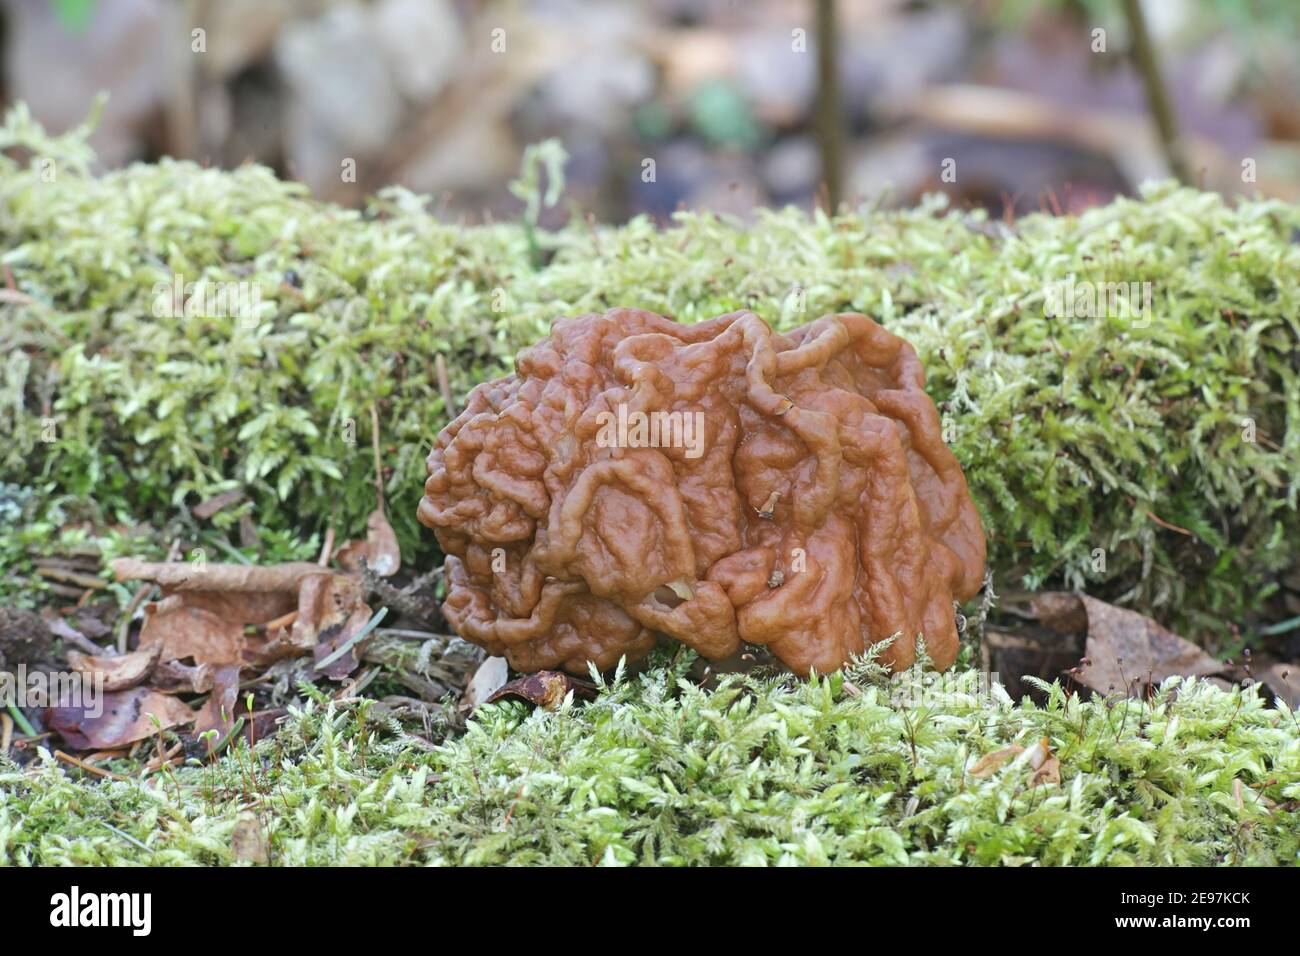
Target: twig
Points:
x,y
327,549
163,758
1172,527
137,599
217,577
70,635
72,577
6,732
374,442
1162,113
408,634
829,127
444,385
89,768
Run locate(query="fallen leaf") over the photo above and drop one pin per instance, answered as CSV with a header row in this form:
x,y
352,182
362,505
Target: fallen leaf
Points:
x,y
1049,772
1284,681
206,509
1039,753
544,689
380,549
1126,650
335,638
185,631
120,672
247,841
987,765
218,711
125,718
490,676
174,677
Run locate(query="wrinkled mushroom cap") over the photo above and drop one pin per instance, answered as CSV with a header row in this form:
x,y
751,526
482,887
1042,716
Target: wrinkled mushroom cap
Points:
x,y
717,483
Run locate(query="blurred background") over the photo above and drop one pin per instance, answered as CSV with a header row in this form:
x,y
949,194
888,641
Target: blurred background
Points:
x,y
714,104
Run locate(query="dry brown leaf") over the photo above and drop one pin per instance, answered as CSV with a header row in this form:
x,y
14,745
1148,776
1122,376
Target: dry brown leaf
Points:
x,y
1126,650
185,631
120,672
1039,753
337,636
218,712
544,689
247,841
989,764
1284,681
125,719
490,676
174,677
379,548
206,509
1049,773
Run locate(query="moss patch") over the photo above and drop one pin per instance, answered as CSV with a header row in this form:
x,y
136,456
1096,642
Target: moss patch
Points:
x,y
657,770
1077,434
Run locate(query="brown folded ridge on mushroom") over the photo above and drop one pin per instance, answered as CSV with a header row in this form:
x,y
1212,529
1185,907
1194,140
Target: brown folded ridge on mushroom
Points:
x,y
821,511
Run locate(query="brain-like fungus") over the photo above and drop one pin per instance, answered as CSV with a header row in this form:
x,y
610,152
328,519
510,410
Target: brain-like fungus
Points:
x,y
717,483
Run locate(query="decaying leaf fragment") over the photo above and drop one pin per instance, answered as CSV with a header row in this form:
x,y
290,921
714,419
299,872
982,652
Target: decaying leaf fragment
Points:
x,y
247,841
990,763
1125,650
126,718
120,672
213,622
379,548
545,689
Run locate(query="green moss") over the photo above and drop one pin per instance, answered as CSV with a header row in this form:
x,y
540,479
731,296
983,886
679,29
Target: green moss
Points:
x,y
657,770
1076,434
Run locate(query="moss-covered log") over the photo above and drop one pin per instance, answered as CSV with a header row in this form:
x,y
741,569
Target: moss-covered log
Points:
x,y
1156,462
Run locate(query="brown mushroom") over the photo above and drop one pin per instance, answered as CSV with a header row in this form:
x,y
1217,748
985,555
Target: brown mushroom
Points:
x,y
637,477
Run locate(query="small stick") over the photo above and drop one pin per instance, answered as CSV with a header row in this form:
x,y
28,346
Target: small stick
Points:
x,y
407,634
137,599
72,577
1165,524
61,628
89,768
327,549
217,577
444,385
6,732
62,590
285,620
1162,111
163,758
140,596
374,441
